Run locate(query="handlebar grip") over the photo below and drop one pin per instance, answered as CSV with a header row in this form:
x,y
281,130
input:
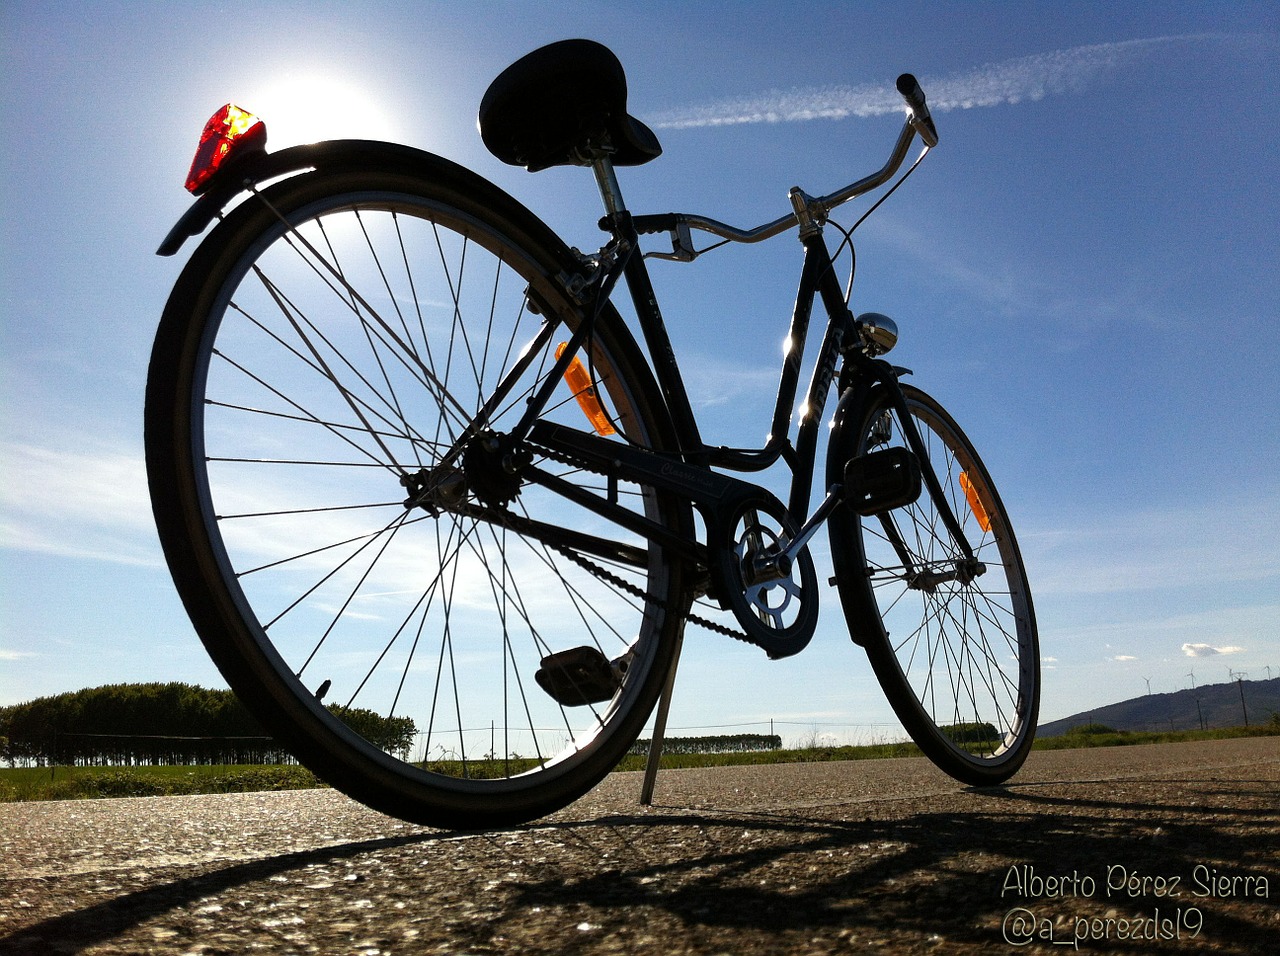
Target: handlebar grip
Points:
x,y
657,222
911,92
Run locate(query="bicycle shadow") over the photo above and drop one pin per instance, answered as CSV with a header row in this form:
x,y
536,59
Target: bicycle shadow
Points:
x,y
741,875
940,876
103,921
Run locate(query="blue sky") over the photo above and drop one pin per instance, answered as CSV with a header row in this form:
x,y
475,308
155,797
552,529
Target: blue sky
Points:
x,y
1084,272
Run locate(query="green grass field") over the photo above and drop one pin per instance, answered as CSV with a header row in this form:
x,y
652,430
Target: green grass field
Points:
x,y
78,783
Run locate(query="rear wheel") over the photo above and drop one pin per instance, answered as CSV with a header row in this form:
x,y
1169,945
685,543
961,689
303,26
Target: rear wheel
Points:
x,y
354,529
953,642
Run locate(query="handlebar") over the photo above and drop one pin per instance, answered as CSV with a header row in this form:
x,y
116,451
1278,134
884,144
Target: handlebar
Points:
x,y
919,122
920,116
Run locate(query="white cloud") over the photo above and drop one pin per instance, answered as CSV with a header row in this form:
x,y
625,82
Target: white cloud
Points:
x,y
78,498
994,84
1207,650
7,655
1124,657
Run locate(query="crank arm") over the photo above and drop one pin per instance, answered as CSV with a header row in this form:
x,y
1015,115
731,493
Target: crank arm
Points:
x,y
835,495
779,563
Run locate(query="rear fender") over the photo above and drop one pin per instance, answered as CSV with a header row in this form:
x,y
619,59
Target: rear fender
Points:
x,y
262,166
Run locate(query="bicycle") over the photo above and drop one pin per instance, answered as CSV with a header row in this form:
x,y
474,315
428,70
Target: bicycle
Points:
x,y
441,521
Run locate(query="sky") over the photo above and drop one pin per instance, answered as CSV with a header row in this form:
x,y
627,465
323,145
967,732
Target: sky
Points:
x,y
1085,272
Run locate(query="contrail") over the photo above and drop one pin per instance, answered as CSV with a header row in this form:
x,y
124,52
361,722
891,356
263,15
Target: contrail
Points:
x,y
1010,81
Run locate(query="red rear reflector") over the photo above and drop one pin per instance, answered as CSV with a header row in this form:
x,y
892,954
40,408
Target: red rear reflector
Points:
x,y
230,131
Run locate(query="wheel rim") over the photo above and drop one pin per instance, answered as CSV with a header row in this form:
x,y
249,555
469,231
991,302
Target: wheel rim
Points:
x,y
429,613
961,644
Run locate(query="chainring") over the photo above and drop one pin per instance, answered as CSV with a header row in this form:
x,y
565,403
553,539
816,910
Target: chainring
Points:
x,y
779,616
777,607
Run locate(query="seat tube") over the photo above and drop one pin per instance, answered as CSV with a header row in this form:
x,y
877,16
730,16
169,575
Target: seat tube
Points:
x,y
661,354
654,329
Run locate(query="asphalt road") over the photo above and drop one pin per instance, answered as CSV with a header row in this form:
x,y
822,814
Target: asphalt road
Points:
x,y
1156,849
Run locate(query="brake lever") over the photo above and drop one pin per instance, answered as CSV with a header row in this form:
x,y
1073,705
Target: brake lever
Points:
x,y
677,226
681,244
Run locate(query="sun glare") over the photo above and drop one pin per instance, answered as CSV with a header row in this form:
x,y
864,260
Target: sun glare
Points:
x,y
306,108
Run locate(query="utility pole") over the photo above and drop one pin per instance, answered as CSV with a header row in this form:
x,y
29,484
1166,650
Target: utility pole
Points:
x,y
1239,677
1200,713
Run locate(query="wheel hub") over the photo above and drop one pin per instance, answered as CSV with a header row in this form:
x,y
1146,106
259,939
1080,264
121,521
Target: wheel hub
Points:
x,y
962,572
491,472
493,463
436,489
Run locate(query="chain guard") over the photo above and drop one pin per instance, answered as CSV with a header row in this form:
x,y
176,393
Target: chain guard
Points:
x,y
779,614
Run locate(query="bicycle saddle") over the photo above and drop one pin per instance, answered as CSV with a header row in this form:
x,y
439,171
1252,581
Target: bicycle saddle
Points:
x,y
559,106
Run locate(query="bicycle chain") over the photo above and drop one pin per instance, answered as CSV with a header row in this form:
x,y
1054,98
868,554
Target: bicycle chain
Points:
x,y
609,577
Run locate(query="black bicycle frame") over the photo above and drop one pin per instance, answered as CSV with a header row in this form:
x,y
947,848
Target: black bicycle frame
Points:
x,y
688,472
817,279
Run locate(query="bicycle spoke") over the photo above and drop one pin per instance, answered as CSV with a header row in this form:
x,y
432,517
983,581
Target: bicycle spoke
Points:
x,y
332,278
363,546
953,627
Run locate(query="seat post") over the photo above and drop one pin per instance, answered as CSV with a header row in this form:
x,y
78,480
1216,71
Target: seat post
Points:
x,y
607,181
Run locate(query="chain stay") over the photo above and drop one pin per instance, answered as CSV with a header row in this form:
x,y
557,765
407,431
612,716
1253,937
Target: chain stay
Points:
x,y
609,577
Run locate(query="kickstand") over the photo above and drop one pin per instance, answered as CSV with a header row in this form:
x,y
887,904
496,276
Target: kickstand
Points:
x,y
660,725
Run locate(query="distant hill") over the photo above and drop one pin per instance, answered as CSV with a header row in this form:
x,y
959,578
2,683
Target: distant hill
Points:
x,y
1211,706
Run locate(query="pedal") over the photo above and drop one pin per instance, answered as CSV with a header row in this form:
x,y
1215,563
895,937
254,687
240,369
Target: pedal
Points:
x,y
581,675
882,480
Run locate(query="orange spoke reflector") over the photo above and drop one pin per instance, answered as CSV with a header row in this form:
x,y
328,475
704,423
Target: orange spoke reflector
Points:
x,y
230,132
975,503
578,379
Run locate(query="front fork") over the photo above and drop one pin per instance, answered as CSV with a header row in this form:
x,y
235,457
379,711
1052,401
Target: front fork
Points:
x,y
865,383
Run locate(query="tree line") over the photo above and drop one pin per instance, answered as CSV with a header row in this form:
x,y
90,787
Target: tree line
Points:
x,y
160,724
722,744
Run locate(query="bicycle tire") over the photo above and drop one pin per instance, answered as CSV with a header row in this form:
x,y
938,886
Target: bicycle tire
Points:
x,y
957,659
314,355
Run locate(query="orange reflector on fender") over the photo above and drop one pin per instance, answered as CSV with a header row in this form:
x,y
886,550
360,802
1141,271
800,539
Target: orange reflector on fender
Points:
x,y
578,379
975,503
230,132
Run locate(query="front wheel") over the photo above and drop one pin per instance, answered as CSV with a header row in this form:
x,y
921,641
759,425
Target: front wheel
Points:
x,y
952,641
353,522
